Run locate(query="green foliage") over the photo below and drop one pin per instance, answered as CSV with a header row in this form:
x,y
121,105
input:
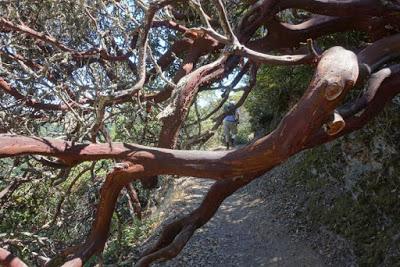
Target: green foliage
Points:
x,y
27,214
28,209
353,188
349,40
277,89
124,237
47,210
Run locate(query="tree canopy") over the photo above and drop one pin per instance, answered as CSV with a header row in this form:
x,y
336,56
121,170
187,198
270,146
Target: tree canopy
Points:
x,y
112,88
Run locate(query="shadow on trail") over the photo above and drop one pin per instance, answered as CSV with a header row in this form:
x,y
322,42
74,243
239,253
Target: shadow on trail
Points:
x,y
244,232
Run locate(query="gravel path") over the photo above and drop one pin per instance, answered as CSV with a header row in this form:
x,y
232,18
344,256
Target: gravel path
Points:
x,y
246,231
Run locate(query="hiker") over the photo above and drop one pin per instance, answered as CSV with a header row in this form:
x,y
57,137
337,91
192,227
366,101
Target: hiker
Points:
x,y
231,120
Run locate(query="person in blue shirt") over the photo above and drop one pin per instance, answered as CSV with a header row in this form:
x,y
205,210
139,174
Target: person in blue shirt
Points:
x,y
230,122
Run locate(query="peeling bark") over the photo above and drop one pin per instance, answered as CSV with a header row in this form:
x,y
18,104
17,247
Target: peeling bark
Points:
x,y
249,161
317,118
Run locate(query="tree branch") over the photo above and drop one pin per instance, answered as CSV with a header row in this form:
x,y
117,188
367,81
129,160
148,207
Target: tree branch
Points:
x,y
9,260
333,79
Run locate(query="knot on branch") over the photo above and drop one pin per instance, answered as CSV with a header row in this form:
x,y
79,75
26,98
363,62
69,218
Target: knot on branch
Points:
x,y
333,90
336,124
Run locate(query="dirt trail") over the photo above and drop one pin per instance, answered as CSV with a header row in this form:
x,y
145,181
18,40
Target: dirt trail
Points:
x,y
246,231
